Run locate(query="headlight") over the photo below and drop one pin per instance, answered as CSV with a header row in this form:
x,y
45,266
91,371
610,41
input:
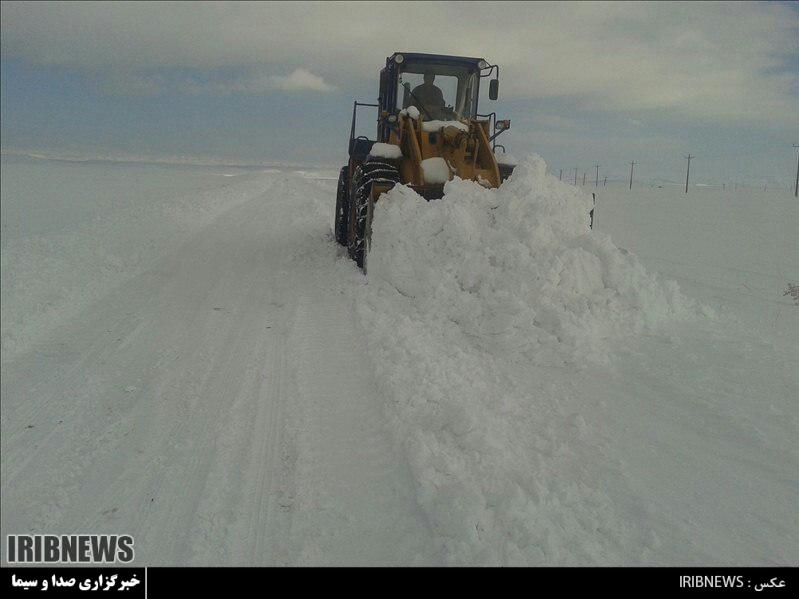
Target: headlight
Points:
x,y
483,64
398,58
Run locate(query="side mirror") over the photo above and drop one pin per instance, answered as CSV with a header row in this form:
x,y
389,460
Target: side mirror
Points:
x,y
493,89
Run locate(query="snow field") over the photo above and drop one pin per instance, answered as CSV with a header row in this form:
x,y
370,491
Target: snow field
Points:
x,y
193,360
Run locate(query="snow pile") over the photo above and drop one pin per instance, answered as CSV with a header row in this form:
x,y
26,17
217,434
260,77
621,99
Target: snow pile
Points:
x,y
381,150
477,309
436,170
517,265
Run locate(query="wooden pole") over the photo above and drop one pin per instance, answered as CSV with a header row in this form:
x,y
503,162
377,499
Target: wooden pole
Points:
x,y
796,187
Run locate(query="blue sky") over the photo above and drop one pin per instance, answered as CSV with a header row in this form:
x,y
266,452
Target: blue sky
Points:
x,y
255,82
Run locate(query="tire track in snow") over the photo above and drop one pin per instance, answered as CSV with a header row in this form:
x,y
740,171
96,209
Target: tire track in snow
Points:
x,y
359,506
189,398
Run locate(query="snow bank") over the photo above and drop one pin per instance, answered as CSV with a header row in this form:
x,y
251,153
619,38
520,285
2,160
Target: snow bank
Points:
x,y
381,150
477,308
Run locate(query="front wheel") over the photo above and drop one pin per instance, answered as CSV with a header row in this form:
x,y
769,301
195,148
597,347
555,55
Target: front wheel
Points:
x,y
361,219
342,206
371,174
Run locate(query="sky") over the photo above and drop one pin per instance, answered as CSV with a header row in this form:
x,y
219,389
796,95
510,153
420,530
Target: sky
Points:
x,y
583,83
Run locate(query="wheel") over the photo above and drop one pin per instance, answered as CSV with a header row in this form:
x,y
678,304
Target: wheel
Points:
x,y
342,206
362,198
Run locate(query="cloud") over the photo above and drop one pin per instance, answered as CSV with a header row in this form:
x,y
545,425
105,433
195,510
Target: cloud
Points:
x,y
256,82
127,83
300,79
730,62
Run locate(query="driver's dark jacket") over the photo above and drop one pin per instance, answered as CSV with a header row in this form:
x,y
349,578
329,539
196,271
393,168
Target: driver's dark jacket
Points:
x,y
430,97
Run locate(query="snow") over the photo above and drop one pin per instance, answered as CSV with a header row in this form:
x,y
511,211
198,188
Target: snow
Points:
x,y
191,359
474,304
431,126
389,151
435,170
503,158
411,111
200,398
66,242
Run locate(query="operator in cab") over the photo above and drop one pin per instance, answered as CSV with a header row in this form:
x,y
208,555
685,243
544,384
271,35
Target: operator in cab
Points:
x,y
429,96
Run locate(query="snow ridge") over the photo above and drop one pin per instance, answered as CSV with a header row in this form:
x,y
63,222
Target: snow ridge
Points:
x,y
477,307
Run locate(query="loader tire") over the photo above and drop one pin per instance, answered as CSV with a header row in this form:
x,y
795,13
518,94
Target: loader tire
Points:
x,y
362,199
342,206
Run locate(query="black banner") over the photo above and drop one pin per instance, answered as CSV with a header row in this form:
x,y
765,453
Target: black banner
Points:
x,y
33,581
165,582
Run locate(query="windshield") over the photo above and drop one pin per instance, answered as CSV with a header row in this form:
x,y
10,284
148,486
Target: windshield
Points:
x,y
440,92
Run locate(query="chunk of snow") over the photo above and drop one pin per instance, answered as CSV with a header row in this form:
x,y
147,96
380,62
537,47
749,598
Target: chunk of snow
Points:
x,y
506,159
411,111
436,170
381,150
431,126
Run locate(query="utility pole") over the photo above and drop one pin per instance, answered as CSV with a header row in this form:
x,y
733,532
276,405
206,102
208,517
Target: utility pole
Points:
x,y
688,172
560,176
632,166
575,176
596,182
605,184
583,179
796,187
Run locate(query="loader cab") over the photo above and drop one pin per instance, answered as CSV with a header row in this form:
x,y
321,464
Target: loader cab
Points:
x,y
423,85
457,77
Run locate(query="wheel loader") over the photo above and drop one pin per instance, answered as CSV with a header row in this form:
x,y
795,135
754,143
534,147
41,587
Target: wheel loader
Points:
x,y
428,131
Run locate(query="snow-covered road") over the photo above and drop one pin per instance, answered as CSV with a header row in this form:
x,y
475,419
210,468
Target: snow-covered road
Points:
x,y
217,405
191,359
